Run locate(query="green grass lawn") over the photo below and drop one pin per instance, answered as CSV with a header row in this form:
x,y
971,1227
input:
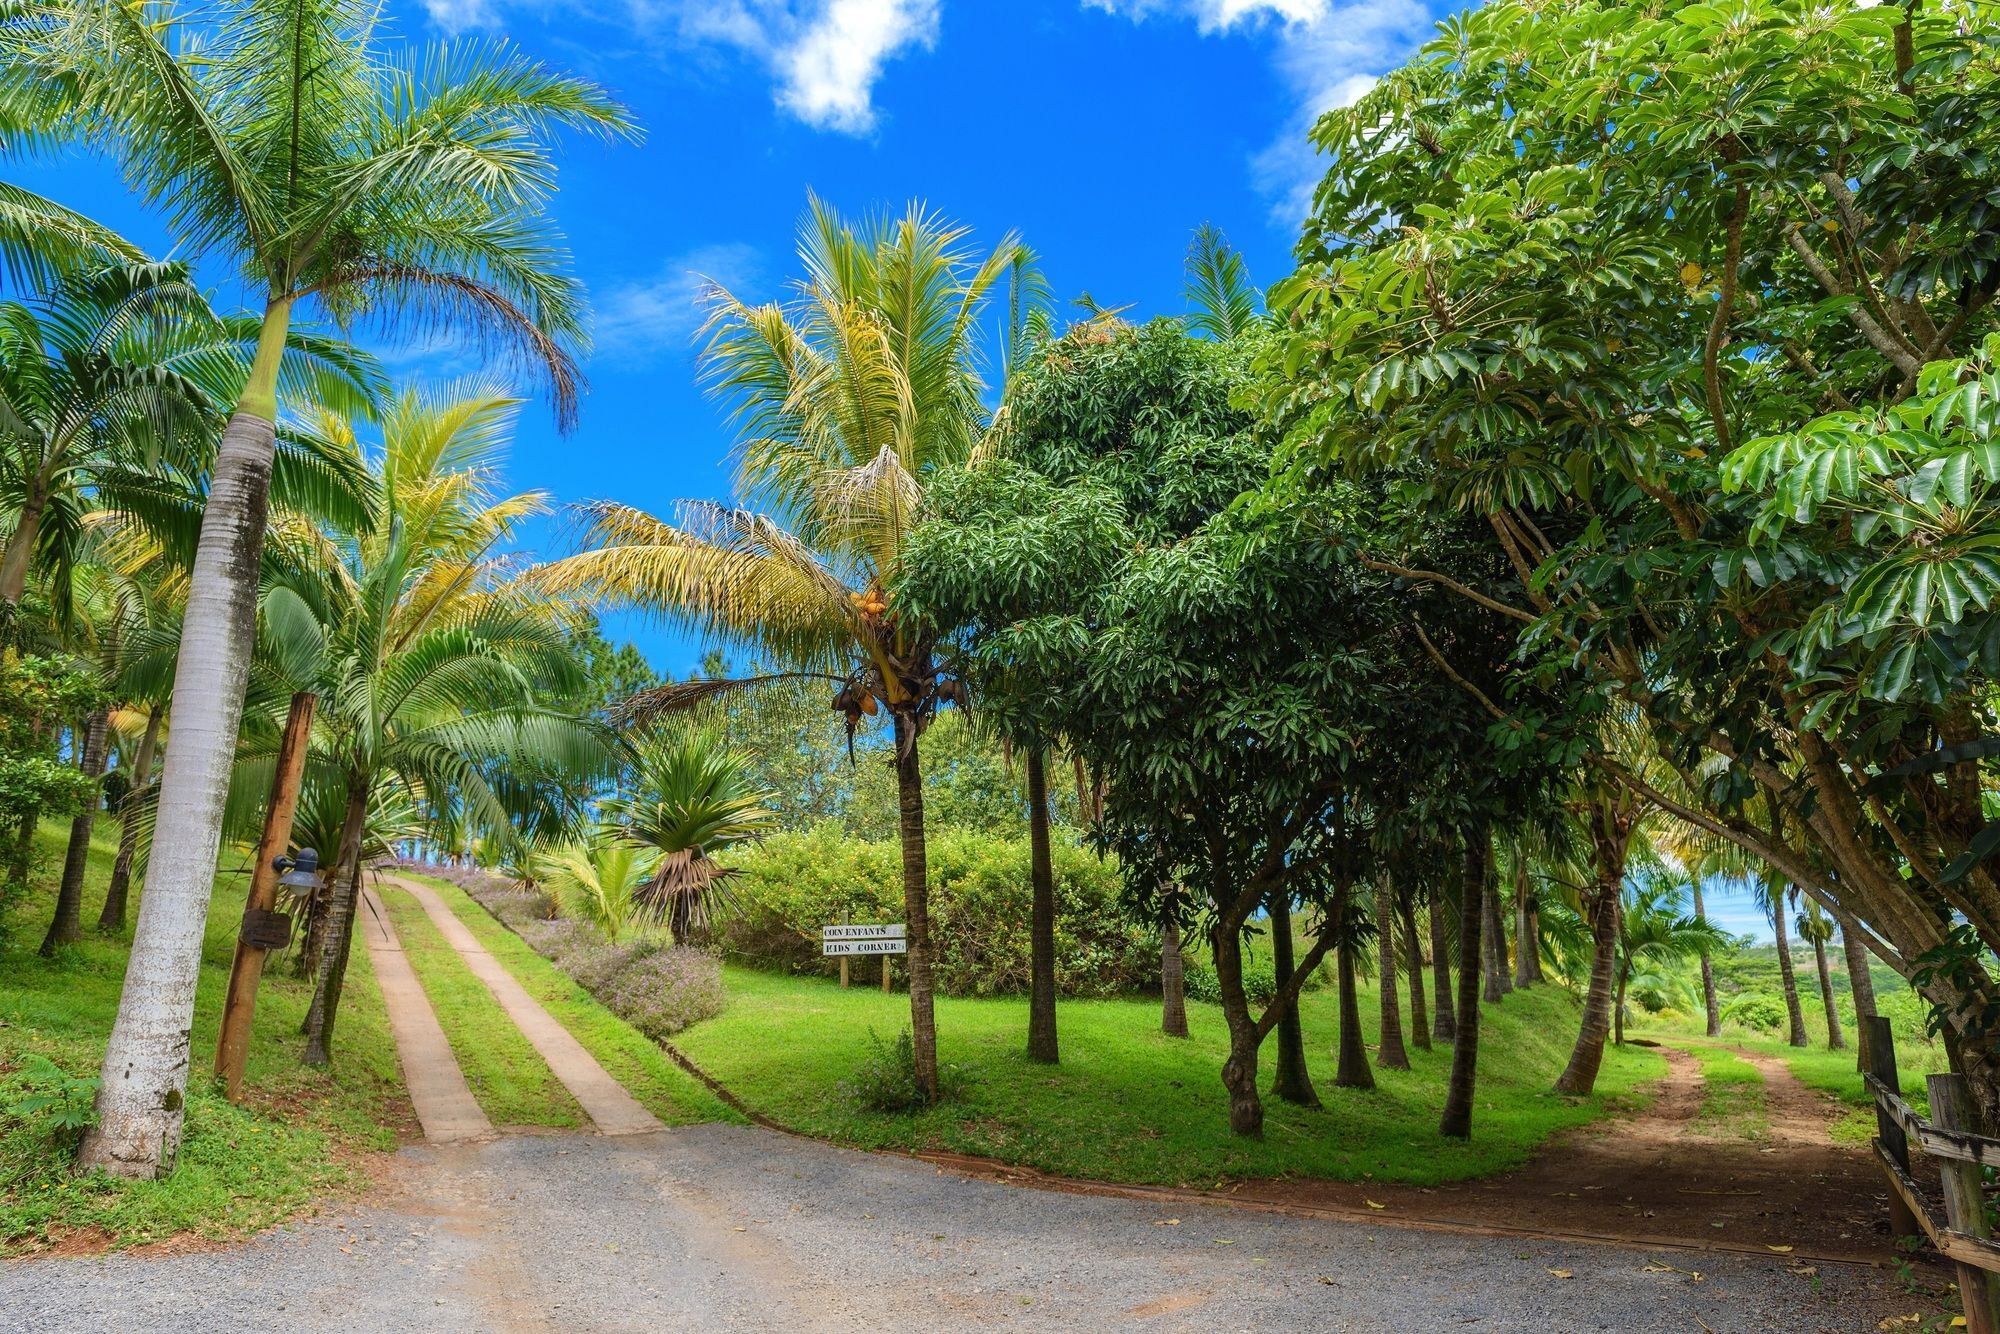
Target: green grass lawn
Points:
x,y
1128,1104
631,1058
506,1074
301,1136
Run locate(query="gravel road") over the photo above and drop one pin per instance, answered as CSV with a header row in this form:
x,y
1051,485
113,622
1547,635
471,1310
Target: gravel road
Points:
x,y
727,1227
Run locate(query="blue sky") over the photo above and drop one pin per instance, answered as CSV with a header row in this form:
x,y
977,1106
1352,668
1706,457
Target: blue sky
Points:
x,y
1103,131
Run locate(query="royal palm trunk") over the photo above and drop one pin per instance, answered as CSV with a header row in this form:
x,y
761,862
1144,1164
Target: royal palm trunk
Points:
x,y
1834,1040
1352,1071
1495,936
1456,1121
339,934
19,556
1420,1023
142,1086
1042,924
916,903
67,928
1795,1014
1444,1025
1393,1055
118,891
1579,1077
1859,981
1173,978
1711,1006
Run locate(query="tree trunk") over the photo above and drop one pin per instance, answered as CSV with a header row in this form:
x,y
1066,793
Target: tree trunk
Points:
x,y
1042,927
1173,977
1456,1122
1420,1021
916,904
1444,1025
338,938
1527,928
19,556
1710,1005
1618,1009
1495,952
1859,981
1579,1077
67,928
1353,1071
1291,1081
143,1081
1793,1011
118,892
1834,1040
1239,1070
1393,1055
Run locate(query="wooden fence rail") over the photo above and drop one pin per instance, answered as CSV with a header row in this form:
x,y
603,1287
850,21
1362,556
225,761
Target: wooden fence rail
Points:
x,y
1963,1235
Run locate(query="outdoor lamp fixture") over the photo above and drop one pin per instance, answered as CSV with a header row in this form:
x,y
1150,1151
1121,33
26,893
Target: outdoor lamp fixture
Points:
x,y
300,872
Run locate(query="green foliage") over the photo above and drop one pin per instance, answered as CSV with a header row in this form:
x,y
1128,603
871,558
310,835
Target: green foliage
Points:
x,y
887,1080
1260,982
791,885
601,882
47,1093
1756,1009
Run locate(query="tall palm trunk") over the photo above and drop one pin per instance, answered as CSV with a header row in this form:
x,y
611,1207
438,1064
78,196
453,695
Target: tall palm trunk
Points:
x,y
118,892
1042,927
1173,977
1352,1072
1527,928
1290,1080
19,556
1494,933
67,928
1834,1040
1618,1007
1392,1053
1710,1005
1859,981
916,903
1794,1012
1444,1026
143,1081
1579,1077
1456,1121
1420,1021
339,933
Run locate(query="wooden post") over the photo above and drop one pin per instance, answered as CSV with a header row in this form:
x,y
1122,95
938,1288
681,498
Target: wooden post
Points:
x,y
1964,1201
885,974
233,1045
843,959
1880,1045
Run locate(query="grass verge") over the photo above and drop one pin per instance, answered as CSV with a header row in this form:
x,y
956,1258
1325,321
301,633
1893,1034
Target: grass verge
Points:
x,y
628,1055
1129,1104
300,1136
1733,1105
506,1074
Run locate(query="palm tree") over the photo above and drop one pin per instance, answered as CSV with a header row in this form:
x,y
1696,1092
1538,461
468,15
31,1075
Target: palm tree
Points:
x,y
1773,897
286,143
602,881
848,396
1653,930
689,798
1814,925
42,242
428,659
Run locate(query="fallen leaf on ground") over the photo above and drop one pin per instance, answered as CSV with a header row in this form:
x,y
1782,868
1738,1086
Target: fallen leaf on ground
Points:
x,y
1781,1250
1167,1222
1562,1273
1372,1205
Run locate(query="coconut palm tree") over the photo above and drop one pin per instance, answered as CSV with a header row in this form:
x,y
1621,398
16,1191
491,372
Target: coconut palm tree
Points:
x,y
1655,931
1816,926
1773,897
848,395
287,143
429,660
689,798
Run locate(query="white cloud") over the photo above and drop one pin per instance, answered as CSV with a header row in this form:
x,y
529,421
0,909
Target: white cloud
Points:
x,y
825,55
1328,53
645,319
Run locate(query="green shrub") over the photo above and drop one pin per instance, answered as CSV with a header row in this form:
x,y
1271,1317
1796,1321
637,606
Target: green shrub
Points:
x,y
887,1080
1756,1009
790,885
1260,982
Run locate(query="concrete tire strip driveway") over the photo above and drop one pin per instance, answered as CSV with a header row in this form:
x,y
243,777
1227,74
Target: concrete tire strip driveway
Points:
x,y
604,1099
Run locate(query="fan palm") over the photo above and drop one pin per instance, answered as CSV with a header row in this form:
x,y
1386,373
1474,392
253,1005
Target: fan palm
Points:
x,y
688,799
428,659
404,188
847,396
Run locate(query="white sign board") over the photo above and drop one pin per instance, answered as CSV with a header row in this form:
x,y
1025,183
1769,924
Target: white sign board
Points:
x,y
862,939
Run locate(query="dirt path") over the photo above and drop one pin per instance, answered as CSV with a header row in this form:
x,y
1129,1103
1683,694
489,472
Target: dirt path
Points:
x,y
1654,1177
443,1101
604,1099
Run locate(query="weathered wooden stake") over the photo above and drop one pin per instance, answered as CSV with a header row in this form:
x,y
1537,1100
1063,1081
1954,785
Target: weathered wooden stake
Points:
x,y
1880,1045
233,1046
1964,1201
885,973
